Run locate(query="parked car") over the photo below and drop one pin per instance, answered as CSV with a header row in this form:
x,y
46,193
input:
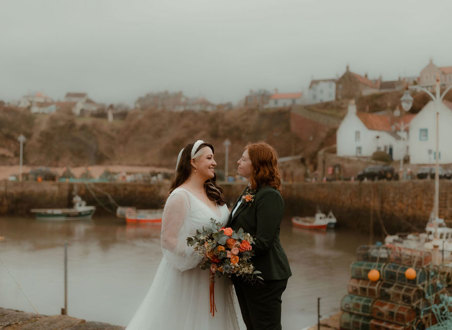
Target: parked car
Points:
x,y
429,172
378,172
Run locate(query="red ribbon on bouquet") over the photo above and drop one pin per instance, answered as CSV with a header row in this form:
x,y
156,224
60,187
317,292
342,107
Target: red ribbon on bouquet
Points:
x,y
213,308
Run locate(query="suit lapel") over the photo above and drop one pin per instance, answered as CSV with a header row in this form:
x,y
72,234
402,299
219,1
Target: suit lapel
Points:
x,y
231,218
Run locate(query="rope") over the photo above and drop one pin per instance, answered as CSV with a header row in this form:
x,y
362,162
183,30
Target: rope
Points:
x,y
97,200
112,201
19,286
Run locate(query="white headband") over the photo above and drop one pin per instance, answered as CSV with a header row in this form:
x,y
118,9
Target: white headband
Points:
x,y
193,153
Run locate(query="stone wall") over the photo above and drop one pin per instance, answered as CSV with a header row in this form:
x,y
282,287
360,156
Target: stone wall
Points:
x,y
396,206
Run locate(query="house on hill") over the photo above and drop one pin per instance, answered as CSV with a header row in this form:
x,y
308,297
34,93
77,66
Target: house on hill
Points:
x,y
257,99
352,85
422,139
82,103
321,90
278,100
361,134
427,77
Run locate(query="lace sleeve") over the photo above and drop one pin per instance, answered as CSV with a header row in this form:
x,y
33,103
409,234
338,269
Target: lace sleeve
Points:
x,y
175,230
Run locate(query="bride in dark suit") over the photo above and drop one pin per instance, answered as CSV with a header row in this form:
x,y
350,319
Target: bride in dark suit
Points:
x,y
259,211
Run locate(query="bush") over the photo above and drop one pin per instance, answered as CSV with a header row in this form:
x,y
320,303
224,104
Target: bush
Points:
x,y
381,156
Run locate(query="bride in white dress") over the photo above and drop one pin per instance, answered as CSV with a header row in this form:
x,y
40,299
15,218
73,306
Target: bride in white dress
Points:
x,y
179,295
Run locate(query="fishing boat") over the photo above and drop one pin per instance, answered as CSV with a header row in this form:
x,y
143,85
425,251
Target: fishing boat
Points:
x,y
320,221
144,216
80,211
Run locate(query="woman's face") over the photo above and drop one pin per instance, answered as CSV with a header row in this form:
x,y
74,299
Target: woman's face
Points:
x,y
205,164
244,165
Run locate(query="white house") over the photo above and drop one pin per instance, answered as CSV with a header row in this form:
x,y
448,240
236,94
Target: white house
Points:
x,y
422,139
430,72
283,100
321,90
361,134
43,108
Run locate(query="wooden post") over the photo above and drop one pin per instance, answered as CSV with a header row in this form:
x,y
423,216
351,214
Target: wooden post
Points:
x,y
318,313
64,310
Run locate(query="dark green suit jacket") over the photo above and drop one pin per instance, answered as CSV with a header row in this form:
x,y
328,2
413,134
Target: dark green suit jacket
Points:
x,y
262,218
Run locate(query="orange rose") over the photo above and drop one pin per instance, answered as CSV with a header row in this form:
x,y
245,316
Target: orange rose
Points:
x,y
245,246
230,242
248,198
234,260
227,231
220,248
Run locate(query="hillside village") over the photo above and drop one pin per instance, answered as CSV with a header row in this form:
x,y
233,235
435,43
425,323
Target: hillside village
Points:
x,y
334,127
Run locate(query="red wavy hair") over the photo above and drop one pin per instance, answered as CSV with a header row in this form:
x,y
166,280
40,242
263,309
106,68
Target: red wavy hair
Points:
x,y
264,160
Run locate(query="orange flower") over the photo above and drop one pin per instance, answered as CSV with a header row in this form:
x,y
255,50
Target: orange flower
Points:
x,y
230,242
248,198
220,248
245,246
227,231
234,260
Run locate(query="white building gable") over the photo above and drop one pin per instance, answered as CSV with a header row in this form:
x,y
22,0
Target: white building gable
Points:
x,y
422,139
363,134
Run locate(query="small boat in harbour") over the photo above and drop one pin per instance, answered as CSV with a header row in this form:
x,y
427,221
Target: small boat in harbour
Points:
x,y
320,221
80,211
143,216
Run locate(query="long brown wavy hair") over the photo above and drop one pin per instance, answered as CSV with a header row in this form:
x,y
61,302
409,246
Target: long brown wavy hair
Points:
x,y
264,160
184,169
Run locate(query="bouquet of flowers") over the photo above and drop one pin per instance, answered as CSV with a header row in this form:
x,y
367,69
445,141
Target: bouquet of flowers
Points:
x,y
225,252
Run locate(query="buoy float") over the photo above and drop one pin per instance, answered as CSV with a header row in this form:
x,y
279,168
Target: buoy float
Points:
x,y
410,274
373,275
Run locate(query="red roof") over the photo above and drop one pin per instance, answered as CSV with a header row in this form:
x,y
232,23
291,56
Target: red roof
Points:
x,y
384,122
286,96
365,81
448,104
375,122
446,69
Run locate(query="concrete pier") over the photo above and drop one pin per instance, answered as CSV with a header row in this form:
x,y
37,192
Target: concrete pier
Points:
x,y
15,320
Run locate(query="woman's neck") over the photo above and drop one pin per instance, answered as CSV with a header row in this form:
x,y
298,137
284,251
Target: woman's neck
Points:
x,y
195,183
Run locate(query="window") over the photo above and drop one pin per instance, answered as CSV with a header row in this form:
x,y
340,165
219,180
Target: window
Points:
x,y
434,155
358,151
423,134
357,136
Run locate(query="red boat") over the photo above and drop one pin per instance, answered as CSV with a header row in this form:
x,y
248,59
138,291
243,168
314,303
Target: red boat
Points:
x,y
144,216
320,221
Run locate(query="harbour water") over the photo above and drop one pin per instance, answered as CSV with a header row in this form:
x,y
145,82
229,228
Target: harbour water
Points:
x,y
111,265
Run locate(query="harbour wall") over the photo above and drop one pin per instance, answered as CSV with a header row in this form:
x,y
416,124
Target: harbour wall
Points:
x,y
392,206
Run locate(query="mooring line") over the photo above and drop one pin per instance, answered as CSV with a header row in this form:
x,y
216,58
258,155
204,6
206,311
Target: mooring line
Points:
x,y
19,286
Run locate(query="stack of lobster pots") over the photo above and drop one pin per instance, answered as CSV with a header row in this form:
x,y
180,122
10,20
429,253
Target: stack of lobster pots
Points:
x,y
393,287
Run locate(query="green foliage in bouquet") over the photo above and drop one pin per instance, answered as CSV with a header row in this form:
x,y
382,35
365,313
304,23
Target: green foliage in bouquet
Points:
x,y
225,252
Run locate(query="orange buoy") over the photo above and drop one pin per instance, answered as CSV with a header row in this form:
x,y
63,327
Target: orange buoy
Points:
x,y
410,274
373,275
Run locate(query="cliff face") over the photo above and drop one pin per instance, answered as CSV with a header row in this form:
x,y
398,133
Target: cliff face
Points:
x,y
145,137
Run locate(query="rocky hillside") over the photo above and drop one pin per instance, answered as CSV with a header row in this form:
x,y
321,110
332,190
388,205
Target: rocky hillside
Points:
x,y
145,137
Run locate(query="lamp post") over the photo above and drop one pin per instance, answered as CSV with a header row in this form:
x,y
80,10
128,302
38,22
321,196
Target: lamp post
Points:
x,y
226,144
406,101
21,140
437,99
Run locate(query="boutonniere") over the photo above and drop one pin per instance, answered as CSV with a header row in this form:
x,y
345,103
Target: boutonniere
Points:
x,y
248,197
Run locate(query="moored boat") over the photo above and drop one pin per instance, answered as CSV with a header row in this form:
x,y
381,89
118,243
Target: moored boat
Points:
x,y
320,221
144,216
80,211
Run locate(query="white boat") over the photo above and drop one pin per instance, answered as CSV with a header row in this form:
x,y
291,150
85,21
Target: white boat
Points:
x,y
80,211
320,221
144,216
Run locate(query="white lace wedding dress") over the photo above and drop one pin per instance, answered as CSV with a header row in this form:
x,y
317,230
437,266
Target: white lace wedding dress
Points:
x,y
179,295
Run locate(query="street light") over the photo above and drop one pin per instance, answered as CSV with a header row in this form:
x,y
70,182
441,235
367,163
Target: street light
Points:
x,y
437,98
226,144
407,101
21,139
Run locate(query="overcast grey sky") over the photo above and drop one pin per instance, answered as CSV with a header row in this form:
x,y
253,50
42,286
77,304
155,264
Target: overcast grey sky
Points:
x,y
118,50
